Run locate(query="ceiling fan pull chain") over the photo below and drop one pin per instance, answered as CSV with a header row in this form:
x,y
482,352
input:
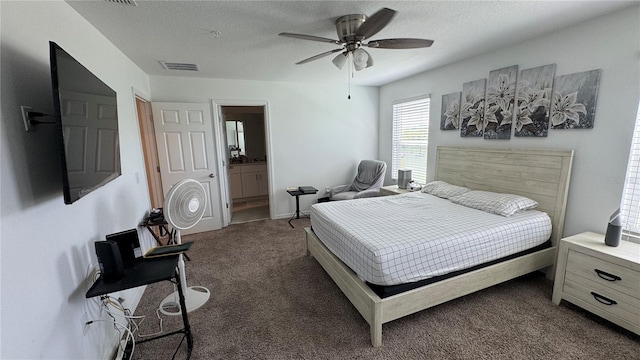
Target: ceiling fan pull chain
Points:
x,y
349,74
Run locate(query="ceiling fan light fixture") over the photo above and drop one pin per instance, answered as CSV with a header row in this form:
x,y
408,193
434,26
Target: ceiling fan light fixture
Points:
x,y
340,60
361,59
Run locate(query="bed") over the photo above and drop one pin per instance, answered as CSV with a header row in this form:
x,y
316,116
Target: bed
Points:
x,y
539,174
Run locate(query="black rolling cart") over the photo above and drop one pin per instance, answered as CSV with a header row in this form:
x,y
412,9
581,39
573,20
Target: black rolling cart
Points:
x,y
148,271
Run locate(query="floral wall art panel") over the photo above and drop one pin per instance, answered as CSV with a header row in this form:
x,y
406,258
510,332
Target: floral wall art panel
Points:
x,y
573,105
500,103
534,99
450,111
472,108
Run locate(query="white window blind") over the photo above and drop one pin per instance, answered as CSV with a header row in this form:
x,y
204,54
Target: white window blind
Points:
x,y
630,206
410,138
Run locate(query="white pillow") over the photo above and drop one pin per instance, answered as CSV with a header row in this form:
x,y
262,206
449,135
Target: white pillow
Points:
x,y
496,203
443,189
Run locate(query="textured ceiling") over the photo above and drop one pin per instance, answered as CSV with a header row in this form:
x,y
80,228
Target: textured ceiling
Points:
x,y
239,39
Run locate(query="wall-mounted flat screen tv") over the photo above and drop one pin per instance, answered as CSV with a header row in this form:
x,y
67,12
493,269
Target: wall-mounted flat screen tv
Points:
x,y
86,115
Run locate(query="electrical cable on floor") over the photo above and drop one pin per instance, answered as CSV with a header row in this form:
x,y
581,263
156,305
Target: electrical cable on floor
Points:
x,y
156,333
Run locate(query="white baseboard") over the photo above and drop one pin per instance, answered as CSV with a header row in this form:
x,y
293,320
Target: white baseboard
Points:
x,y
113,352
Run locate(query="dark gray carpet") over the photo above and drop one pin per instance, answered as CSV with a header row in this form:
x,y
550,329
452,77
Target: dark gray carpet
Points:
x,y
270,301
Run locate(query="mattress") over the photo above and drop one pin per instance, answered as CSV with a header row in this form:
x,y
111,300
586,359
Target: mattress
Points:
x,y
410,237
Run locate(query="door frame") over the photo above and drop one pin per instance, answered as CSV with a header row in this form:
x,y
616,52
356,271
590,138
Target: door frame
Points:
x,y
223,162
154,187
149,151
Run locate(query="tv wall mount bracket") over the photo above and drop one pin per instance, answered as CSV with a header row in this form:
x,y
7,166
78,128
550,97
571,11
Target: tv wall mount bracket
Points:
x,y
30,118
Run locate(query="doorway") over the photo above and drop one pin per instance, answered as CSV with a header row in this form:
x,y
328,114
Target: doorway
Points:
x,y
246,154
252,204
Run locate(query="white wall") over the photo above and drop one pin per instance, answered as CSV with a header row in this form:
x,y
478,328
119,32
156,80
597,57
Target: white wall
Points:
x,y
316,137
47,247
610,43
315,134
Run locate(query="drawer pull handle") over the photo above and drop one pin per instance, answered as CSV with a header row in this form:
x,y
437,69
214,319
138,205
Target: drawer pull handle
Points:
x,y
602,299
606,276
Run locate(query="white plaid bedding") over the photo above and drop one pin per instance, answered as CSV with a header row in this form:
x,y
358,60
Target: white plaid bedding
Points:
x,y
404,238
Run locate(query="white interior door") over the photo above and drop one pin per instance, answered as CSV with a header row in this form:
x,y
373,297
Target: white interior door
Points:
x,y
184,135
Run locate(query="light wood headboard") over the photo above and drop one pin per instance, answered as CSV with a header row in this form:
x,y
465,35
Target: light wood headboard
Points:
x,y
539,174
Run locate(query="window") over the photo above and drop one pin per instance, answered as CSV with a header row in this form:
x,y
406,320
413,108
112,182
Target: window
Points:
x,y
630,207
410,138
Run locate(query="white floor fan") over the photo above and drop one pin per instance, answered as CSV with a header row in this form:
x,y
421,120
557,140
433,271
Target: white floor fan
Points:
x,y
184,206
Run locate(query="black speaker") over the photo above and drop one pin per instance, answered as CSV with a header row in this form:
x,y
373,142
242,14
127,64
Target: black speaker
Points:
x,y
110,260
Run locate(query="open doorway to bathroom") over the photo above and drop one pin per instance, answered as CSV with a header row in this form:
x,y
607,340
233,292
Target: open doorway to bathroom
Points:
x,y
248,178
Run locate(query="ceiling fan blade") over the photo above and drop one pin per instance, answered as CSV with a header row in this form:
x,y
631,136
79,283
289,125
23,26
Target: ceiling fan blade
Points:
x,y
399,43
318,56
310,37
375,23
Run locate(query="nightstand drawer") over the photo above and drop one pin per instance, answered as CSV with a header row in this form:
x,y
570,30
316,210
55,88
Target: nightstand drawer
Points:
x,y
602,279
602,272
613,302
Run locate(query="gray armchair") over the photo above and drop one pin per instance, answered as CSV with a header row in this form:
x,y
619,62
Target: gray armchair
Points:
x,y
367,183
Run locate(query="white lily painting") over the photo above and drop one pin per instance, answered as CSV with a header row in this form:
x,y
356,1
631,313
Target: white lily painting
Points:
x,y
534,99
450,111
472,108
500,103
573,105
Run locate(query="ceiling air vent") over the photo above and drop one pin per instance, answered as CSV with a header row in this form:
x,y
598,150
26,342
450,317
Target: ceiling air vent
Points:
x,y
123,2
179,66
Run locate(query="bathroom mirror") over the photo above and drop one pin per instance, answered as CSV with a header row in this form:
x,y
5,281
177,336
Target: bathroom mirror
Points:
x,y
235,138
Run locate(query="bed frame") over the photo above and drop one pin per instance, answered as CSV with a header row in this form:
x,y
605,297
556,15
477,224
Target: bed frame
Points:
x,y
540,174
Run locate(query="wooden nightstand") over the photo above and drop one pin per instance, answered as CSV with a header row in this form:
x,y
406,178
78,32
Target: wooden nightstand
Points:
x,y
602,279
392,190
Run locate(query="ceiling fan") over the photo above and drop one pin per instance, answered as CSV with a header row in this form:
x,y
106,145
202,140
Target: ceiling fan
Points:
x,y
353,30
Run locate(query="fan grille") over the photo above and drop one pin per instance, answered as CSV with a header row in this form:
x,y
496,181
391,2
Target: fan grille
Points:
x,y
185,204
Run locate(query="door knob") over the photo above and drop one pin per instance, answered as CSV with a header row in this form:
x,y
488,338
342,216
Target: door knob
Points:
x,y
211,176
